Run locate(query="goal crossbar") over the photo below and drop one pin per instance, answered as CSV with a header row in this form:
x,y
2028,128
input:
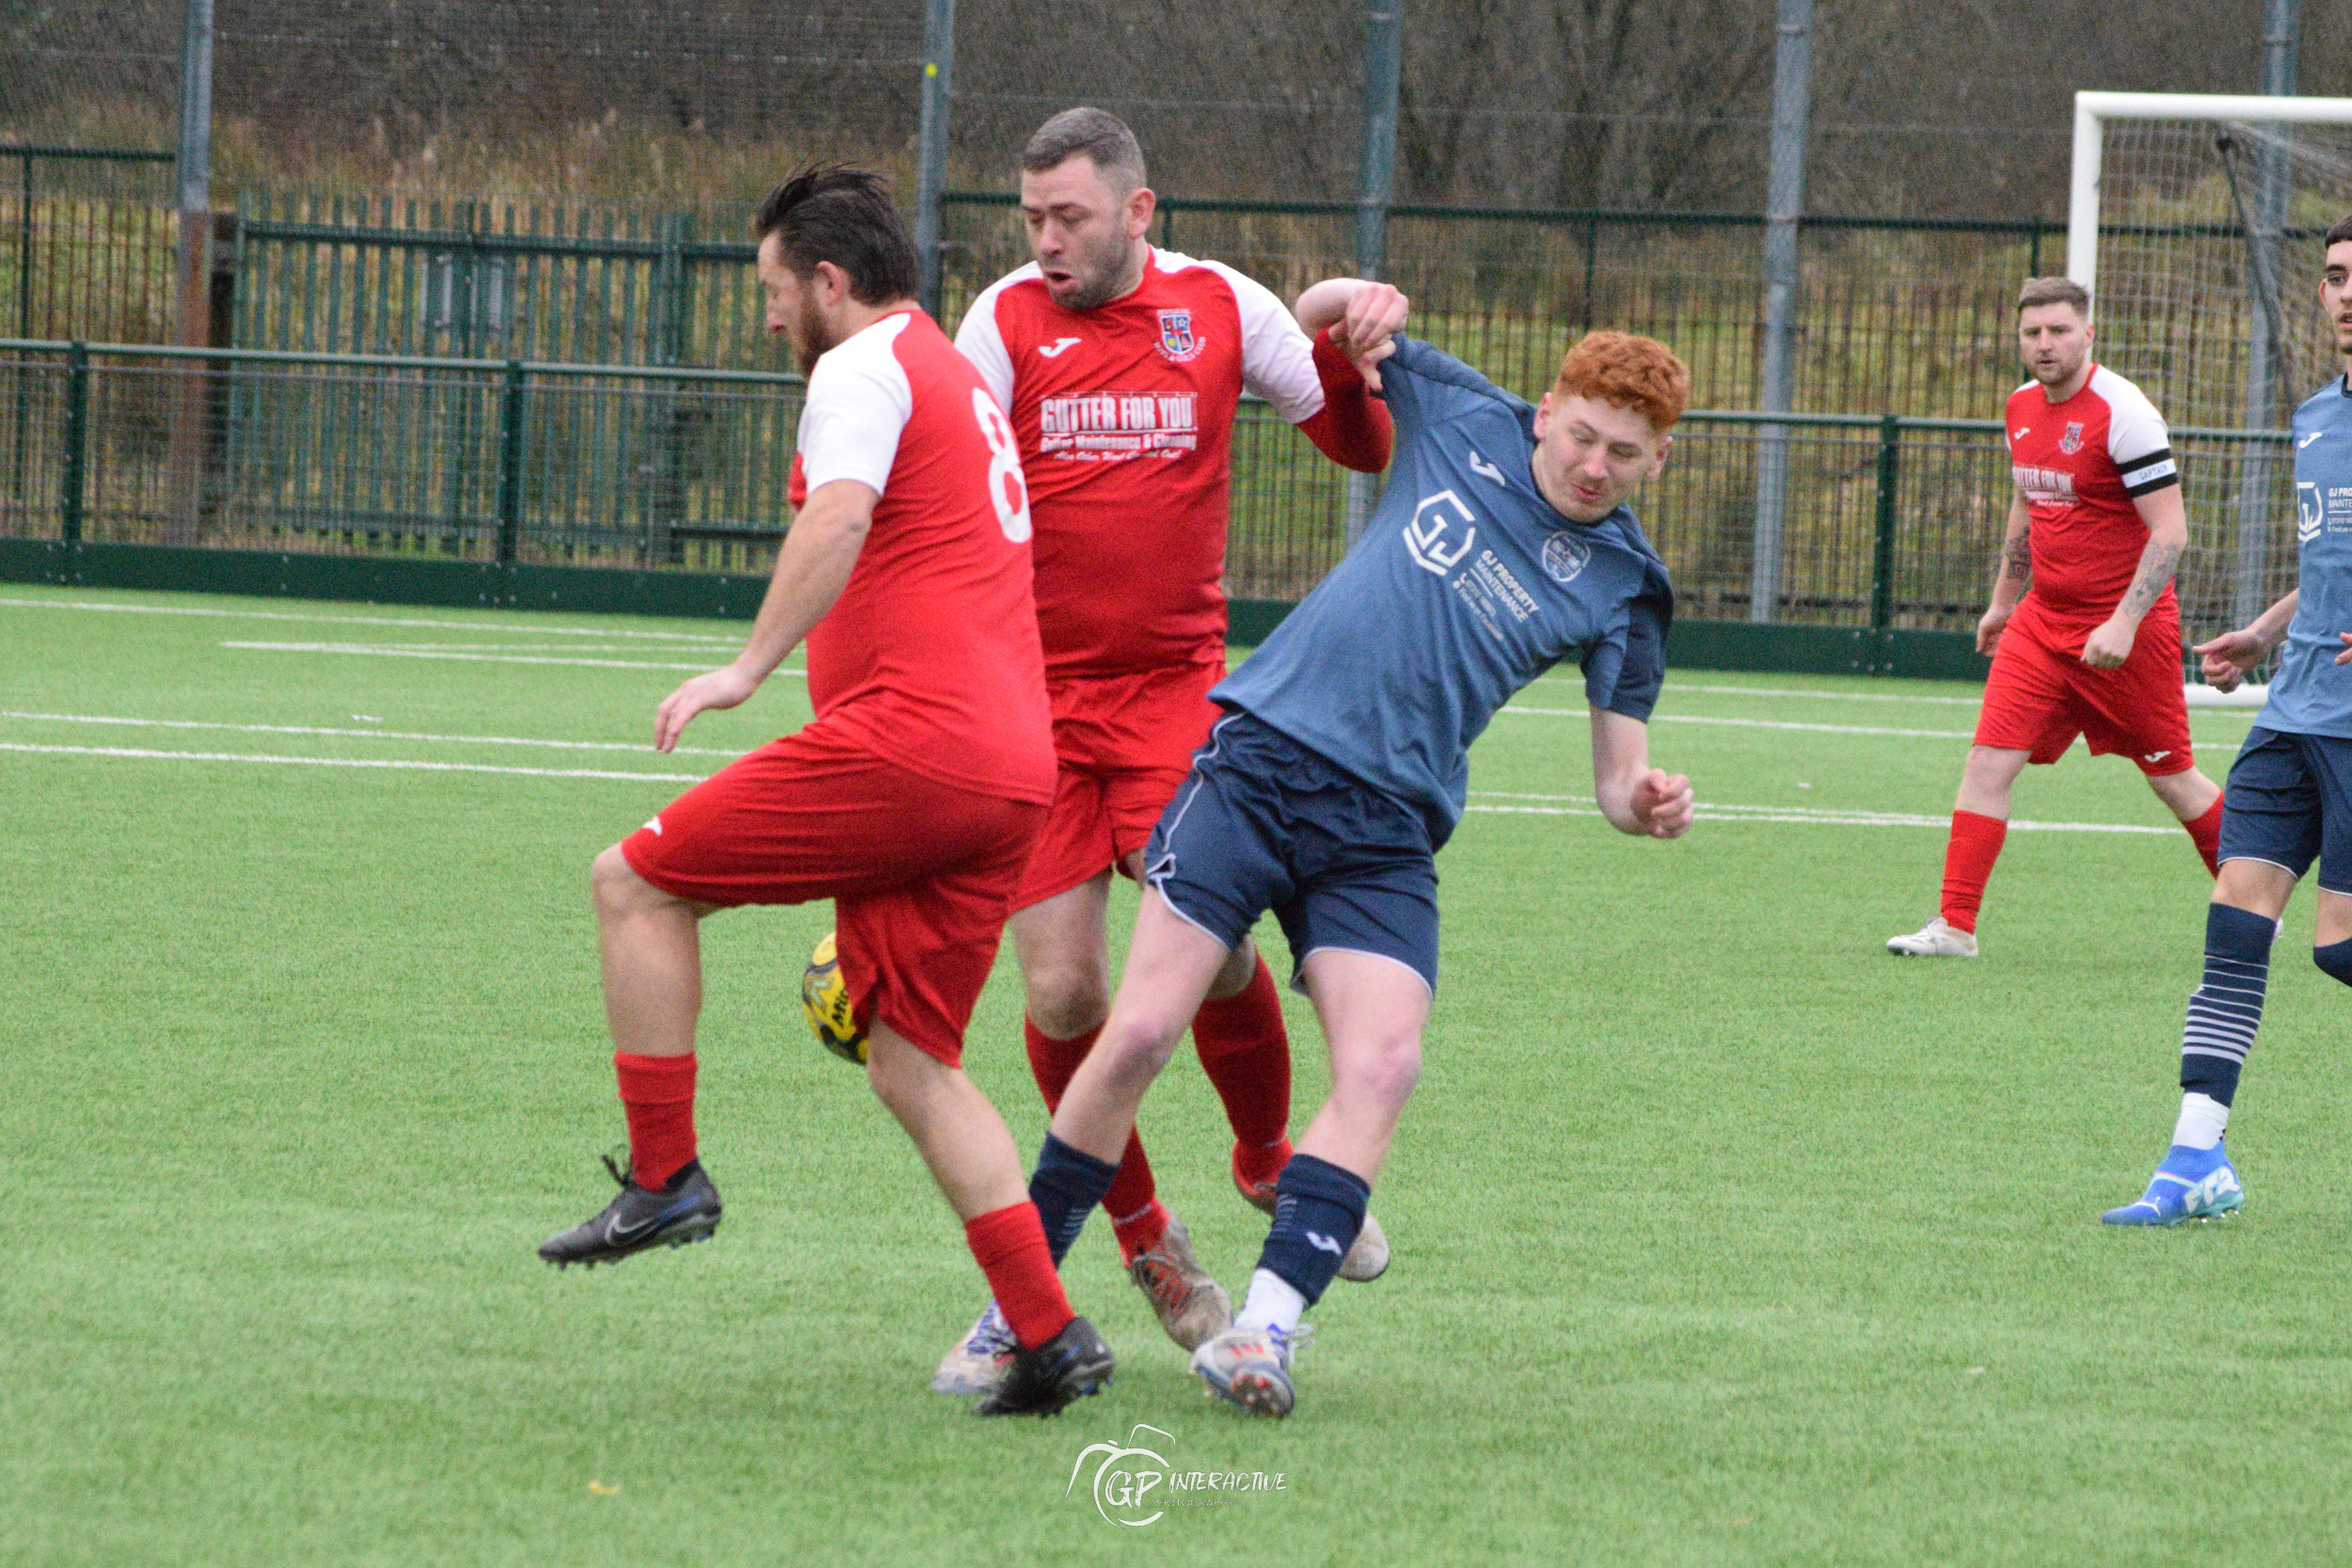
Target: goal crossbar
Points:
x,y
2093,110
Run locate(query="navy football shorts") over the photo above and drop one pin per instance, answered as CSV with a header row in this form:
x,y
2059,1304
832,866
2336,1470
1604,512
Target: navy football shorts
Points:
x,y
2289,802
1262,823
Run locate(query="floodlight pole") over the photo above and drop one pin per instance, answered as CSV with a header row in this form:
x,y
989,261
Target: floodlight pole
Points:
x,y
1784,208
1384,53
193,316
939,64
2249,587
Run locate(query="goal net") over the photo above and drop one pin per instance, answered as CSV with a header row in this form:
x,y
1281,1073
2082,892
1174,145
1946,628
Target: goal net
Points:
x,y
2196,223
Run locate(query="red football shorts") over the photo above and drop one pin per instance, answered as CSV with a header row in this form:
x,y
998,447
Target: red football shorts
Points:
x,y
1125,744
2041,695
922,874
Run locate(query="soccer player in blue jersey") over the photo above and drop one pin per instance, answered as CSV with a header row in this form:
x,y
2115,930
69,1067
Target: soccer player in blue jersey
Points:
x,y
2289,798
1502,545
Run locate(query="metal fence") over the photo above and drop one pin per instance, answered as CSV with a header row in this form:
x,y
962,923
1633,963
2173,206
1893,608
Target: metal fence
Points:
x,y
1908,315
1895,520
86,236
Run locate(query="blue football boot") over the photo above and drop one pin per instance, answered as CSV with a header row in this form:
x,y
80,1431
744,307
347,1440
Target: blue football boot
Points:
x,y
2191,1185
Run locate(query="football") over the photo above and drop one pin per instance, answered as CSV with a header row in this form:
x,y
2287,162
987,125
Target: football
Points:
x,y
826,1001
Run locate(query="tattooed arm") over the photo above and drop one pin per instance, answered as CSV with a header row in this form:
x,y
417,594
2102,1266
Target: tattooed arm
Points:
x,y
2168,537
2009,576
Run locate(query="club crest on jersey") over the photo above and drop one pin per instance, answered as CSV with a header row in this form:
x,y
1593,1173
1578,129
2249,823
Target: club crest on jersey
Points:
x,y
2071,442
1177,341
1564,556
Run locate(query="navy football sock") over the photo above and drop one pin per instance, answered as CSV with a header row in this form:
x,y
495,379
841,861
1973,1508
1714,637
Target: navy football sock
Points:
x,y
2335,960
2224,1012
1318,1208
1066,1185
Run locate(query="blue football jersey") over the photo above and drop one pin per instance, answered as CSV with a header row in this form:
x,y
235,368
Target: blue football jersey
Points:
x,y
2312,694
1465,586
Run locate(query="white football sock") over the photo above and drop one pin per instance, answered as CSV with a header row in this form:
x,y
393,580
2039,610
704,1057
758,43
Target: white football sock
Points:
x,y
1273,1303
2203,1119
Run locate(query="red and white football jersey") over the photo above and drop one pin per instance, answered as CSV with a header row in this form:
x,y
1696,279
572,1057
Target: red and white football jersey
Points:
x,y
1125,419
2080,464
930,655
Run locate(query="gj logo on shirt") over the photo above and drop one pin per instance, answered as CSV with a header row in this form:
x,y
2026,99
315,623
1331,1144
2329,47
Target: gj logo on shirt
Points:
x,y
2309,511
1425,536
1564,556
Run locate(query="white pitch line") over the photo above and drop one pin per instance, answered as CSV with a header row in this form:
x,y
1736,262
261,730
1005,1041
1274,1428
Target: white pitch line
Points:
x,y
1802,815
1824,696
365,735
1722,815
388,650
385,763
362,620
1760,724
1769,723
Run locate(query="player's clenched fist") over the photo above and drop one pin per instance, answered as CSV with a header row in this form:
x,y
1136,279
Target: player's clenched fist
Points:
x,y
723,687
1365,334
1989,628
1662,803
2109,644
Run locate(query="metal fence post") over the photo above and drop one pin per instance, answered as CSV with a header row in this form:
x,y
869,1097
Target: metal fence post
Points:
x,y
76,440
1784,208
1384,47
930,161
1883,555
510,491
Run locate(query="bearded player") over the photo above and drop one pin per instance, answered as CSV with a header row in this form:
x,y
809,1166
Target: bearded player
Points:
x,y
912,798
2094,647
1502,546
2290,794
1121,364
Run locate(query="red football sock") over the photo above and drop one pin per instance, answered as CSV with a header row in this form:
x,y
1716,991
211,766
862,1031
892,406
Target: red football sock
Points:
x,y
1246,1054
1133,1202
1967,863
658,1093
2206,832
1010,1245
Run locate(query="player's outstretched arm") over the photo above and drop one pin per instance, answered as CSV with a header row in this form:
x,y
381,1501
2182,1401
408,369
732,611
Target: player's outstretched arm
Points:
x,y
2111,644
813,567
2009,575
1636,798
2229,658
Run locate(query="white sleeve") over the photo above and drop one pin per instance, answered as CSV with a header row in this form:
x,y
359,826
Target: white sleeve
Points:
x,y
859,402
2138,441
982,342
1277,359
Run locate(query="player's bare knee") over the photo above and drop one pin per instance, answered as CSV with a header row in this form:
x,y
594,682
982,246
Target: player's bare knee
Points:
x,y
613,883
1065,1000
1383,1074
1136,1049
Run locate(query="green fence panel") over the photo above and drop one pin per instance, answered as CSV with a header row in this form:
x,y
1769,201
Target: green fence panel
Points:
x,y
1893,522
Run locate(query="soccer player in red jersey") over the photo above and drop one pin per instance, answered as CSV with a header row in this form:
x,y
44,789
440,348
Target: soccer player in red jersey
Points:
x,y
1122,366
2094,647
912,800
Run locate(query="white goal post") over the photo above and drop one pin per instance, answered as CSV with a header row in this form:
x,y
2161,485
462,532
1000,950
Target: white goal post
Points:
x,y
2193,221
2093,110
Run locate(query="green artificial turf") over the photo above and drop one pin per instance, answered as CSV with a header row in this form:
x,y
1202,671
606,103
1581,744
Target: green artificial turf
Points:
x,y
1721,1236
